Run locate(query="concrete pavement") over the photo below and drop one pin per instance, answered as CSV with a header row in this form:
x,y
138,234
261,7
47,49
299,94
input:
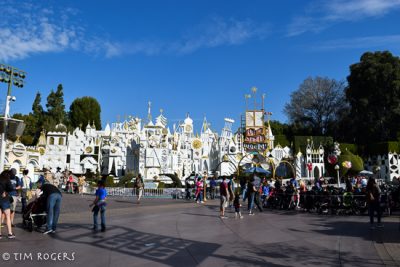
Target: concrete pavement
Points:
x,y
163,232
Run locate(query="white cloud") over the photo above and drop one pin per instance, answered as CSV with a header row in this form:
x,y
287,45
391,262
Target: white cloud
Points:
x,y
321,15
379,41
220,32
213,33
32,29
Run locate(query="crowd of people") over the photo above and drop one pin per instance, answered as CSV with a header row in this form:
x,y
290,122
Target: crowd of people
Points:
x,y
259,192
306,195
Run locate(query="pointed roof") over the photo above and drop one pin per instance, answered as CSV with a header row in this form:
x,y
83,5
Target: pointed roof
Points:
x,y
107,130
161,120
188,120
42,139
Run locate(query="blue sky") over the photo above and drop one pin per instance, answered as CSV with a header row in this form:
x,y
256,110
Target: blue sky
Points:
x,y
200,57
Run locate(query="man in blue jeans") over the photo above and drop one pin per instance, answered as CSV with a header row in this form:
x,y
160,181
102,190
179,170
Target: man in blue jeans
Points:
x,y
52,197
99,205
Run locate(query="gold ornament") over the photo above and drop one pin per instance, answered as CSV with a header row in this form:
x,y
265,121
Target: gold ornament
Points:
x,y
197,144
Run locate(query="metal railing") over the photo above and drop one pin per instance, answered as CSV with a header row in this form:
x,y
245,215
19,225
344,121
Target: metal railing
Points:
x,y
132,192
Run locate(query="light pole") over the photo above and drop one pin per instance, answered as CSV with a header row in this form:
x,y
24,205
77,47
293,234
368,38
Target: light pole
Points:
x,y
378,172
337,168
9,75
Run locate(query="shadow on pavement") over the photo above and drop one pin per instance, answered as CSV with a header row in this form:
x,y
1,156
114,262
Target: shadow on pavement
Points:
x,y
389,234
162,249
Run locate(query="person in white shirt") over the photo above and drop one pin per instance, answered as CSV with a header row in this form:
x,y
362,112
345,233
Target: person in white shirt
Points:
x,y
25,189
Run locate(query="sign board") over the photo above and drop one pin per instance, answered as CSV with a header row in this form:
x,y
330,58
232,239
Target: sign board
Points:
x,y
254,136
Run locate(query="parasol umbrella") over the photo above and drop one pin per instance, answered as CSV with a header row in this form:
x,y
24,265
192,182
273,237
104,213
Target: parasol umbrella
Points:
x,y
257,170
365,172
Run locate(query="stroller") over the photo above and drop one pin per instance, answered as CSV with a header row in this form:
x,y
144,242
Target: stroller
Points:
x,y
34,214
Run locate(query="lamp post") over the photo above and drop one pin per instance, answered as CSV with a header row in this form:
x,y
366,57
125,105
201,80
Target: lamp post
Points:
x,y
378,172
337,168
9,75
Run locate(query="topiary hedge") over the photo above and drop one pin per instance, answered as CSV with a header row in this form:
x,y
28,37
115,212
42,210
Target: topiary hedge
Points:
x,y
357,164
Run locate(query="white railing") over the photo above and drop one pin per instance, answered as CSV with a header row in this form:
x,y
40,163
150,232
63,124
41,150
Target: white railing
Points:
x,y
132,192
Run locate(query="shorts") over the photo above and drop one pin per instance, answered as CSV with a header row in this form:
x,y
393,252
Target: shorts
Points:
x,y
5,205
14,204
223,202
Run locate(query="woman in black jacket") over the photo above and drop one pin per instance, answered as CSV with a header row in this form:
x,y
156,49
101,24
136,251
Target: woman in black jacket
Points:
x,y
373,199
5,205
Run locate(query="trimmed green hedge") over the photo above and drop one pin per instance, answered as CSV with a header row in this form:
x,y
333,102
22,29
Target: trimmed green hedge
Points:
x,y
382,148
353,148
356,162
281,140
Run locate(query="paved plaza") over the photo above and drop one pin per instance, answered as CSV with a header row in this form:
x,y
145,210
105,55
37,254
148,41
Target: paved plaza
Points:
x,y
166,232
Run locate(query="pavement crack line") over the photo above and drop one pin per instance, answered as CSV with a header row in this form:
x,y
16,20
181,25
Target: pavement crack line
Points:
x,y
180,237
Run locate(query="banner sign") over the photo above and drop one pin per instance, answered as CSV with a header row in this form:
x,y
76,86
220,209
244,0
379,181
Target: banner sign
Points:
x,y
254,137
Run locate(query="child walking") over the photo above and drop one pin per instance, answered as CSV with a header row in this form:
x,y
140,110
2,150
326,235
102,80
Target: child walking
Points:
x,y
236,204
99,205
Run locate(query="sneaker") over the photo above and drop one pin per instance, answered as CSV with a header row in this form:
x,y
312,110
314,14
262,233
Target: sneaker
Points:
x,y
223,217
103,229
201,202
48,232
251,214
240,217
11,236
380,225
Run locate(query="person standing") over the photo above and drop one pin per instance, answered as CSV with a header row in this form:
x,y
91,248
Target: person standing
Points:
x,y
81,184
224,196
374,205
70,183
213,187
199,190
5,205
26,188
99,205
187,189
236,204
16,185
139,184
231,189
52,197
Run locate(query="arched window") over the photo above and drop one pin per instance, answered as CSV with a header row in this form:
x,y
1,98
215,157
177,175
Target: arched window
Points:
x,y
61,141
51,141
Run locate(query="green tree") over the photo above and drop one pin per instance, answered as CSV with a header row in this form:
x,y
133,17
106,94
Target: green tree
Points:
x,y
314,107
55,109
374,95
83,111
37,108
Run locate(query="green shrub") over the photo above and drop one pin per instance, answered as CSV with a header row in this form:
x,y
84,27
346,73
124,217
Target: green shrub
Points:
x,y
110,181
382,148
349,147
357,163
281,140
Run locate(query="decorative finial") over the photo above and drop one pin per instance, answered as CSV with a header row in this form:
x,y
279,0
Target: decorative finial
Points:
x,y
149,112
254,89
161,110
